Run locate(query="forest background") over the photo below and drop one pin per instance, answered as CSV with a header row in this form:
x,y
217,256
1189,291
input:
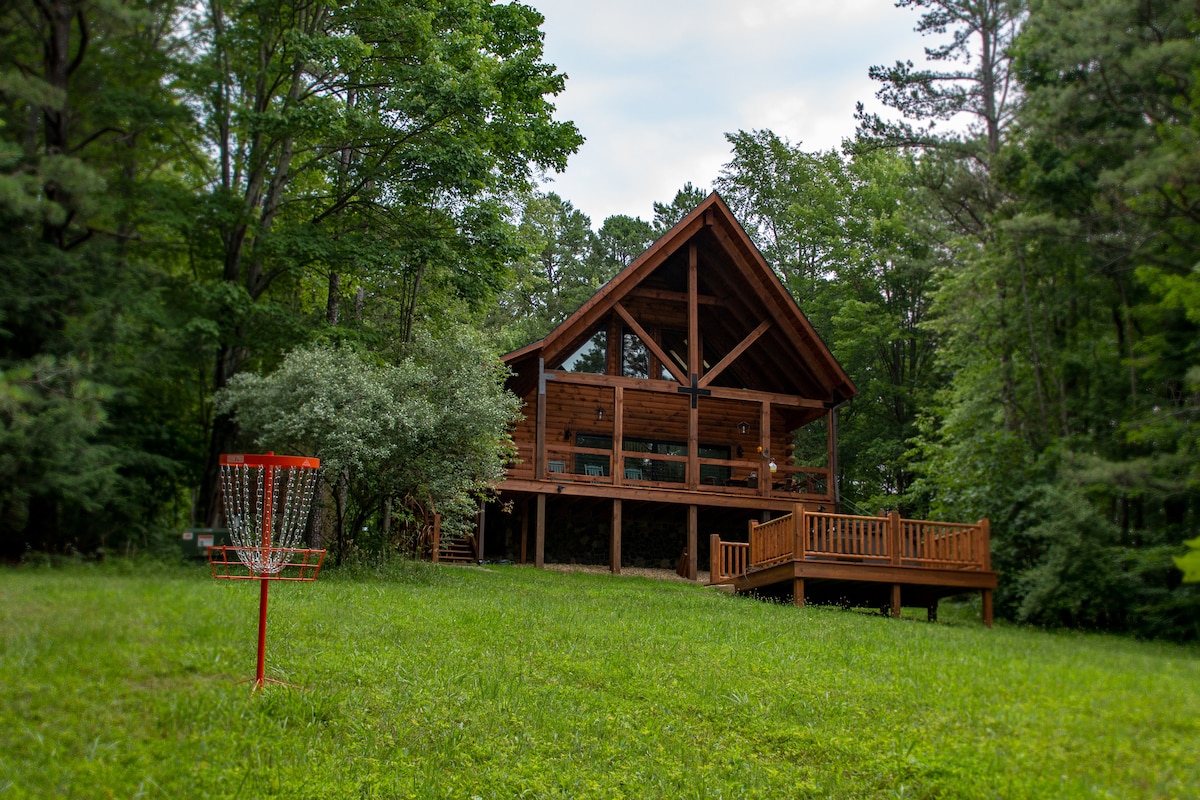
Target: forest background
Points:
x,y
248,222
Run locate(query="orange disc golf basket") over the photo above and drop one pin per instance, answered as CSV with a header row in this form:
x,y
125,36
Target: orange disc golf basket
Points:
x,y
267,502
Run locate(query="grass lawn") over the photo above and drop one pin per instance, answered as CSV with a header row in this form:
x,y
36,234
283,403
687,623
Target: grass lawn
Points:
x,y
121,681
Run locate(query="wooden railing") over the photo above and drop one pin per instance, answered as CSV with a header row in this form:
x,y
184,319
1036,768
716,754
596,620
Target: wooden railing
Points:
x,y
888,539
772,542
726,559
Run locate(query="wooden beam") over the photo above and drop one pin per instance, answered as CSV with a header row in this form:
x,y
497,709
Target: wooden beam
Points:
x,y
764,432
895,601
732,355
798,592
695,359
673,297
539,537
539,447
801,332
986,596
612,365
651,345
614,553
693,541
618,442
723,393
590,313
644,493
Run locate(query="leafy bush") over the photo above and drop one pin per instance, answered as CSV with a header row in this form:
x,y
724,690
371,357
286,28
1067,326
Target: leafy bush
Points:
x,y
427,434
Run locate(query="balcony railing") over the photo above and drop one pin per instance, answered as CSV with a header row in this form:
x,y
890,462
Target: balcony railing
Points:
x,y
820,536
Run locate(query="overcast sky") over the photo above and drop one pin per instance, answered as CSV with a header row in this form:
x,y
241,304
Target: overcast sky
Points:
x,y
654,85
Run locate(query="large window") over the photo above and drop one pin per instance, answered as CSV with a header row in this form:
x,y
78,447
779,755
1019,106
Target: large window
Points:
x,y
592,463
647,467
635,356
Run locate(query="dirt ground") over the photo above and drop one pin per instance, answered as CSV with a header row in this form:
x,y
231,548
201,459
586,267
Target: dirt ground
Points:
x,y
637,572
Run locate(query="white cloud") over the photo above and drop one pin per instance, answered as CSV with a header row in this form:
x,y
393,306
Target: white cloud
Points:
x,y
655,84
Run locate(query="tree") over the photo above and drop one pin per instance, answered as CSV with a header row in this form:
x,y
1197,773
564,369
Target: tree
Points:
x,y
95,421
667,214
981,35
424,435
1071,419
619,241
373,140
842,236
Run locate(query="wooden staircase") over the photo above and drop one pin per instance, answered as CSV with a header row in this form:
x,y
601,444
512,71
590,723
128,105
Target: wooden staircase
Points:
x,y
456,550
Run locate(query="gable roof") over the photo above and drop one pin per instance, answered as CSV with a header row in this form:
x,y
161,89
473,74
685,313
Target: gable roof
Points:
x,y
740,292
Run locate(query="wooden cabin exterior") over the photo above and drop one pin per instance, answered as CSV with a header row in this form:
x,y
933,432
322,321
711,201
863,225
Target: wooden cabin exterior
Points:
x,y
690,394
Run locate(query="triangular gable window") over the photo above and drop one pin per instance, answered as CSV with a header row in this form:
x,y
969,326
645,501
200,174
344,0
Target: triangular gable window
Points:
x,y
592,355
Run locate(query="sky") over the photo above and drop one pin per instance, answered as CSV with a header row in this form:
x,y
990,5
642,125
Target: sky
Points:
x,y
654,85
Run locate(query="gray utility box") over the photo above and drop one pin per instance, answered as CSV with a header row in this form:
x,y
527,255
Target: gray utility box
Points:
x,y
196,541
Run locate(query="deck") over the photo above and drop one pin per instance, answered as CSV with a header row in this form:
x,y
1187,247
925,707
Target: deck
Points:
x,y
883,562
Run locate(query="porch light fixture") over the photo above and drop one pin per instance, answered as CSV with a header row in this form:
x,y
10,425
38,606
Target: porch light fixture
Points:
x,y
567,435
599,413
743,428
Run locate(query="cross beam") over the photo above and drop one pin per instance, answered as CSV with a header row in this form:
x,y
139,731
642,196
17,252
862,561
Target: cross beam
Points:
x,y
694,390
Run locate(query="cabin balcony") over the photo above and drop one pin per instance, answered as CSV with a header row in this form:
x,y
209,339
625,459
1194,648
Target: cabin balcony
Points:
x,y
884,562
643,471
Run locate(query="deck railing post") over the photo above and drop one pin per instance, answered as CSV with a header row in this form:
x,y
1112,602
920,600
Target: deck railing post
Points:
x,y
894,537
985,544
715,573
752,556
798,531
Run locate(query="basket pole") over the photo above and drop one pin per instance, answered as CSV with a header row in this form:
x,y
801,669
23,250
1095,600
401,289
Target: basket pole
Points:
x,y
265,543
259,676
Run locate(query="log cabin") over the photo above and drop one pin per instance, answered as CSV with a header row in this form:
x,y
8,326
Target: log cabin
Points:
x,y
687,414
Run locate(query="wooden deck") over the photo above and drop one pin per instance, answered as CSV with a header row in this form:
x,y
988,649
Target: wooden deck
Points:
x,y
882,562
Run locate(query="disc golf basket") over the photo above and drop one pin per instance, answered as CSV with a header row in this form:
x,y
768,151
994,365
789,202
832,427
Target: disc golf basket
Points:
x,y
267,502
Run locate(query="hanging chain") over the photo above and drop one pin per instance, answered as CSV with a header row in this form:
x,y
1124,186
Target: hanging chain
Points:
x,y
266,552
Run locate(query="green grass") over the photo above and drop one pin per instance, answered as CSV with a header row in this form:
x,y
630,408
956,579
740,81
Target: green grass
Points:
x,y
121,681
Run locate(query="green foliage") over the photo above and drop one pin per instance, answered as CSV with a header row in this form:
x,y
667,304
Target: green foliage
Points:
x,y
842,235
426,433
666,215
444,682
1189,563
190,192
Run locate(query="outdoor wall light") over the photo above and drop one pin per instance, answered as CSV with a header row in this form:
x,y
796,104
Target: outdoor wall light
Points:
x,y
743,428
599,413
567,435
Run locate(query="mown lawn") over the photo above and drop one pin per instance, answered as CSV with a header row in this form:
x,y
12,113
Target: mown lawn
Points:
x,y
121,681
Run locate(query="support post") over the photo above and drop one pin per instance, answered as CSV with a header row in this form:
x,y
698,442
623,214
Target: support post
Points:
x,y
618,440
895,601
987,608
539,447
764,430
524,527
693,541
798,592
614,553
539,536
715,569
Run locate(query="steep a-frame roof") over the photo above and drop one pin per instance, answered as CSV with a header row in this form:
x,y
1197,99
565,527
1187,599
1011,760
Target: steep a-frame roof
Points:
x,y
754,335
